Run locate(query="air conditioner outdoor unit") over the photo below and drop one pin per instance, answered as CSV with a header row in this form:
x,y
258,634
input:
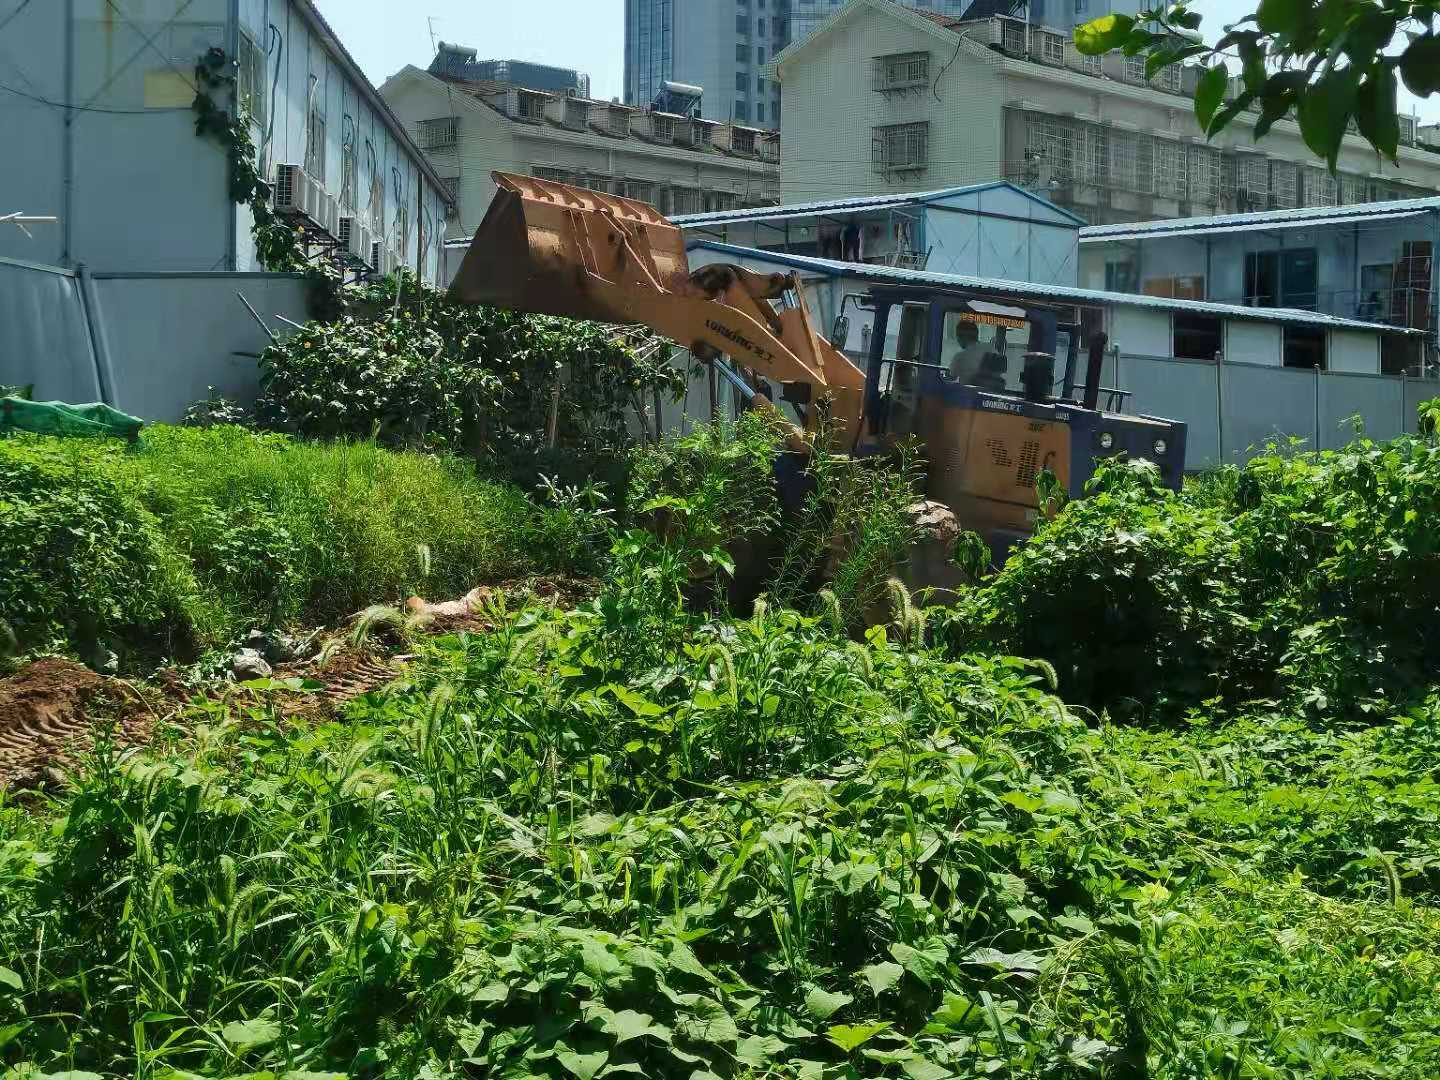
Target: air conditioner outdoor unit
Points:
x,y
355,238
377,256
329,216
290,188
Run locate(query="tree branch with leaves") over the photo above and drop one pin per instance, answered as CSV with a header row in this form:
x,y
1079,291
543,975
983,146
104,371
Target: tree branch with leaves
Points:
x,y
1324,61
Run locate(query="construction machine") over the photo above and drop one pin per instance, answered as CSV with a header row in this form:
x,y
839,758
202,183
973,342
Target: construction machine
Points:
x,y
925,370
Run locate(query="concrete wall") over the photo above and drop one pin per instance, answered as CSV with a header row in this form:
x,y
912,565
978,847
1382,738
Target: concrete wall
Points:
x,y
829,111
1141,331
149,344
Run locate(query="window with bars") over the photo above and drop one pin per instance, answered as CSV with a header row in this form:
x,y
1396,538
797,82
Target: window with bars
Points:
x,y
439,134
902,70
577,113
347,175
900,147
1135,69
662,128
1092,65
1052,49
1320,188
1284,185
743,141
1012,38
684,201
1252,178
530,106
620,121
1169,160
1169,77
1354,189
1125,160
641,191
1204,174
1407,130
1050,142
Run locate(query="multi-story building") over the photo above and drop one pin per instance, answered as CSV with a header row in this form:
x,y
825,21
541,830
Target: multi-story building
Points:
x,y
724,46
882,99
676,163
459,62
99,95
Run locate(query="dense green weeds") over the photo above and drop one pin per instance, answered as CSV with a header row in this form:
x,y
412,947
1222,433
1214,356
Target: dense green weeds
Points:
x,y
195,536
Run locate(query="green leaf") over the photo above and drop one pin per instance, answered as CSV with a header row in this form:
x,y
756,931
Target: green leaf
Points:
x,y
920,1069
250,1034
1209,93
1016,961
11,979
1022,801
9,1031
709,1022
584,1066
1375,110
759,1050
956,1011
1420,65
1280,16
1325,111
850,1037
924,963
491,992
69,1075
1104,34
822,1004
629,1024
882,976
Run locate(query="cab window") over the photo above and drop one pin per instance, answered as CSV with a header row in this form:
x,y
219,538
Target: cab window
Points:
x,y
974,354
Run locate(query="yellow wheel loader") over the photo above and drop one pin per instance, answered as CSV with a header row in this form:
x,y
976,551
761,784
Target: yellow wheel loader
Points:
x,y
927,370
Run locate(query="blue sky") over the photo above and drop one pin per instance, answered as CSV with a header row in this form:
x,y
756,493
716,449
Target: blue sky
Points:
x,y
588,35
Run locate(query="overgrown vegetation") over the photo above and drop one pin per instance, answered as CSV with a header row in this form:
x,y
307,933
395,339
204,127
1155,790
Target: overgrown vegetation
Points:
x,y
196,536
647,837
1311,580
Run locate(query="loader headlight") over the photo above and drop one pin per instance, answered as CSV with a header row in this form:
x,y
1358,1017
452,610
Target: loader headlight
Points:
x,y
1160,447
1106,441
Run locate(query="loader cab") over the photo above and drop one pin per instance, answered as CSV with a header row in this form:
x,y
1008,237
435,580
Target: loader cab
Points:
x,y
997,391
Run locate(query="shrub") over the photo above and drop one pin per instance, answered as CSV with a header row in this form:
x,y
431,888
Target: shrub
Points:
x,y
455,378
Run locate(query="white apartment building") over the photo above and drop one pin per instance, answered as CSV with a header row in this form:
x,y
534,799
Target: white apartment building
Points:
x,y
882,99
677,164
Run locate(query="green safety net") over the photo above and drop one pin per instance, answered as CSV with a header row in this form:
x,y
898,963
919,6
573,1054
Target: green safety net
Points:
x,y
58,418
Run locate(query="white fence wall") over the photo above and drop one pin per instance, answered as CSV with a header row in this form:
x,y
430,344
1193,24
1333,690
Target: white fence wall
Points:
x,y
1233,409
148,343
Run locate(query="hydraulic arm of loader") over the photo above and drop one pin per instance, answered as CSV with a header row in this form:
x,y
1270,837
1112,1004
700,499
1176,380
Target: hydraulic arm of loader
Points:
x,y
553,249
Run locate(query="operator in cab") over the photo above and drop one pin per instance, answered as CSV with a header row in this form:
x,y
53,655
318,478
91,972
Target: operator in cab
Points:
x,y
965,363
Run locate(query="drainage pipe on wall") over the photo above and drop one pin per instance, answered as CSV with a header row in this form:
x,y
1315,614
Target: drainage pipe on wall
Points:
x,y
99,343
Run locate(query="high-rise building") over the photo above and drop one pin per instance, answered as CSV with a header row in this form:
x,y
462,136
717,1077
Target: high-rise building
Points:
x,y
723,46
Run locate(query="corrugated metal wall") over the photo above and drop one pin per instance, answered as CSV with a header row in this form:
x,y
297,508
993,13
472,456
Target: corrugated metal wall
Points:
x,y
150,344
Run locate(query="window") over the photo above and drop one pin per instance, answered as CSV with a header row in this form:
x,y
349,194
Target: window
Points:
x,y
900,147
1407,130
1287,278
759,54
742,52
1304,347
742,82
902,70
529,106
760,26
760,112
254,88
438,134
684,201
1081,6
451,185
620,121
663,128
1169,169
1284,185
1204,179
743,142
315,145
1092,65
1197,337
1120,276
1320,188
1354,189
704,134
1012,38
577,113
742,23
1052,48
1135,69
1169,77
775,113
742,112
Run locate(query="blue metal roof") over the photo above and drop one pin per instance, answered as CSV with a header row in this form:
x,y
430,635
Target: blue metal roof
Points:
x,y
1280,219
859,203
1047,293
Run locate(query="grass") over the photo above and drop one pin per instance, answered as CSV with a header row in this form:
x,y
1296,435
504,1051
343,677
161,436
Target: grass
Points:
x,y
197,535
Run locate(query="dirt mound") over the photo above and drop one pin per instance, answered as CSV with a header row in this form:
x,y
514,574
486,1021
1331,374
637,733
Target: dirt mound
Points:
x,y
49,712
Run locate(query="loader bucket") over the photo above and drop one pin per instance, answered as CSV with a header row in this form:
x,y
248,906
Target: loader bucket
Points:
x,y
544,247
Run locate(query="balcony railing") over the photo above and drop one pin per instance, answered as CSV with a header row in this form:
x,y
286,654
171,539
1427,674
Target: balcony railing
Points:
x,y
1408,307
